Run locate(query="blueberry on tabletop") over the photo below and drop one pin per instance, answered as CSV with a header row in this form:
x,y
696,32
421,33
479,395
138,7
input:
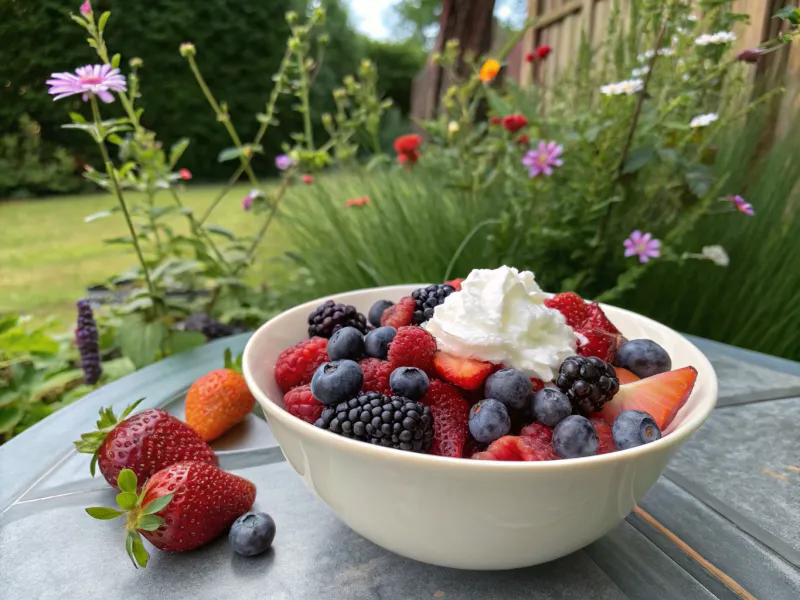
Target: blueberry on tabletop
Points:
x,y
551,406
489,420
409,382
643,358
348,342
376,342
252,534
634,428
337,381
575,437
376,312
509,386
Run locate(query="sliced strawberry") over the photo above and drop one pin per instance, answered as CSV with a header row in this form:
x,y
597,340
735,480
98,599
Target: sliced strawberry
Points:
x,y
603,345
455,283
604,437
661,396
466,373
450,419
597,319
625,376
572,306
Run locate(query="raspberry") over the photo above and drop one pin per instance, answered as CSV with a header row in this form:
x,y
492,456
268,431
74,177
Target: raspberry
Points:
x,y
296,365
513,448
450,418
399,315
455,283
531,449
606,440
536,384
572,306
597,319
301,403
537,432
412,347
376,375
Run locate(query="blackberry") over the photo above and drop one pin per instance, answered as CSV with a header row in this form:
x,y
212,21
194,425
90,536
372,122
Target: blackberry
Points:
x,y
588,382
427,299
209,327
330,317
88,342
390,421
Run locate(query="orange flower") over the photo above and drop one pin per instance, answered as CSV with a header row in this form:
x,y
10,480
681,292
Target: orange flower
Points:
x,y
489,70
185,174
357,202
308,179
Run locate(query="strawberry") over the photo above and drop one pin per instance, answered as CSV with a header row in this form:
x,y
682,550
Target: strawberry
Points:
x,y
513,448
661,396
412,347
537,431
450,418
376,375
301,403
572,306
466,373
218,400
625,376
597,319
145,443
536,384
180,508
296,365
455,283
538,442
594,342
399,315
604,437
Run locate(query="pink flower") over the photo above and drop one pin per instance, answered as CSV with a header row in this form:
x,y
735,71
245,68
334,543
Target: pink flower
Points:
x,y
308,179
185,174
247,202
742,206
542,160
642,245
86,8
99,80
283,162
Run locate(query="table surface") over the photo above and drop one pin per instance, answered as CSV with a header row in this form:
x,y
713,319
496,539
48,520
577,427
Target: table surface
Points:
x,y
732,494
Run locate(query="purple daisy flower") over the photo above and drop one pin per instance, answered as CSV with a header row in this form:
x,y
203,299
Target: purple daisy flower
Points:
x,y
283,162
742,206
642,245
99,80
542,160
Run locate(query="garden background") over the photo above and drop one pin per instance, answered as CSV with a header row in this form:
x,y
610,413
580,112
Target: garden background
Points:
x,y
366,220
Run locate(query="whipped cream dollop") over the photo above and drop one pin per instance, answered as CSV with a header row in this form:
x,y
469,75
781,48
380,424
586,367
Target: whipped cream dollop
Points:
x,y
499,316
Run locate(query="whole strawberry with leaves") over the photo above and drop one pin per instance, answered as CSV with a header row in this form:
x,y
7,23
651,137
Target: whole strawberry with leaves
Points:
x,y
144,443
180,508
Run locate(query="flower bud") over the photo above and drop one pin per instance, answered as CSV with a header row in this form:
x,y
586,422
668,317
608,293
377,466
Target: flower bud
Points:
x,y
187,49
291,17
86,8
136,62
327,119
323,39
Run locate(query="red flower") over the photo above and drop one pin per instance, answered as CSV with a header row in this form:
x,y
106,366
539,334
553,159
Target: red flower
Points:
x,y
530,57
308,179
523,140
514,123
185,174
407,144
496,120
543,52
357,202
408,158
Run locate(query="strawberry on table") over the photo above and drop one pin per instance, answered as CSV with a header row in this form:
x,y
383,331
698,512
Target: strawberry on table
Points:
x,y
466,373
218,400
450,418
296,365
180,508
145,443
661,396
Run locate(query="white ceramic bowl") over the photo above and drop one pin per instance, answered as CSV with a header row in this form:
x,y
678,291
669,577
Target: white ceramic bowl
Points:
x,y
463,513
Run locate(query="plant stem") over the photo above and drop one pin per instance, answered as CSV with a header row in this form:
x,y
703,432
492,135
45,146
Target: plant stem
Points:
x,y
150,202
306,108
464,243
199,232
112,175
221,196
273,211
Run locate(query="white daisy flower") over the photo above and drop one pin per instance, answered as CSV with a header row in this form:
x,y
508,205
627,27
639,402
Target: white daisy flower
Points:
x,y
717,255
703,120
640,72
721,37
629,86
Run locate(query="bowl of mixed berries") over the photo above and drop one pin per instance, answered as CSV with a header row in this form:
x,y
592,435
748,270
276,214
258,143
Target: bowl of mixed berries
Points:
x,y
481,423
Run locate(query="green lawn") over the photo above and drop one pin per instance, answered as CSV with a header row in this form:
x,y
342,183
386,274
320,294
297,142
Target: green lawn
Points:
x,y
49,255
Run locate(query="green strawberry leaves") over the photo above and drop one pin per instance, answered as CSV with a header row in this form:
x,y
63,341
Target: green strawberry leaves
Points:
x,y
139,518
230,363
90,442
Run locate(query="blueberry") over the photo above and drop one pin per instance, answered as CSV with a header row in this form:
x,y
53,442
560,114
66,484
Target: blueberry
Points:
x,y
575,437
348,342
551,406
643,358
409,382
252,534
509,386
489,420
337,381
376,312
634,428
376,342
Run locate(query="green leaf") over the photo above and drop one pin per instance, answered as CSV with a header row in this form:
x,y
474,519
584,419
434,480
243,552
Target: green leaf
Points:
x,y
700,180
127,480
9,417
377,161
157,504
141,341
186,340
129,546
80,21
637,159
788,13
17,341
8,396
115,139
160,211
128,411
103,513
229,154
115,60
101,22
149,523
262,118
77,118
219,230
126,500
139,553
93,464
177,150
125,239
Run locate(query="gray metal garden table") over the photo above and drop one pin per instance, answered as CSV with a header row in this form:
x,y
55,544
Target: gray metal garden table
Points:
x,y
732,494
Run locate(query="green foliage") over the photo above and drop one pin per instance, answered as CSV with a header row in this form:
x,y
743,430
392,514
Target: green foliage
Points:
x,y
398,64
